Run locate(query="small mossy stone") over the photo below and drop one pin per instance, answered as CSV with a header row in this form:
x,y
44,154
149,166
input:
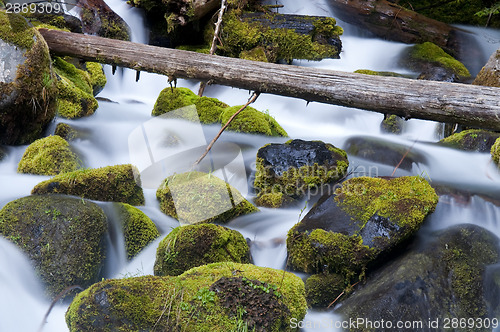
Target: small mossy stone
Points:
x,y
252,121
274,200
392,124
173,98
138,229
209,109
111,183
66,131
495,152
195,197
97,76
196,301
64,237
189,246
472,140
296,169
323,289
48,156
365,218
430,53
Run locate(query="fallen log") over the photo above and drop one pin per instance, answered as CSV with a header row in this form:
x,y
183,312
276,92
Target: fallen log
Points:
x,y
471,105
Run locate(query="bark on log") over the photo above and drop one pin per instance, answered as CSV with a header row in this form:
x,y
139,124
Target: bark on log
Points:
x,y
471,105
393,22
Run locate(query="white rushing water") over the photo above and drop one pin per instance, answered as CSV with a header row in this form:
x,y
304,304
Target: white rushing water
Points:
x,y
106,142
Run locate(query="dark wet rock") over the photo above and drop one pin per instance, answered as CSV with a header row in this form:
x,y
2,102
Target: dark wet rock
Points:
x,y
99,19
66,131
293,169
444,278
472,140
27,82
490,73
383,152
189,246
363,221
119,183
138,229
323,289
64,238
196,197
218,297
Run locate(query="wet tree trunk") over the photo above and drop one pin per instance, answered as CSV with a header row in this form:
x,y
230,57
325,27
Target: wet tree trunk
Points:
x,y
471,105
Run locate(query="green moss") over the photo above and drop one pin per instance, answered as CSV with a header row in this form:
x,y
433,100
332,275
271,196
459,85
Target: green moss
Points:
x,y
209,109
327,27
495,152
378,73
138,229
256,54
75,97
323,289
184,302
16,30
195,197
238,35
189,246
274,200
48,156
97,77
205,49
429,52
406,200
252,121
471,140
111,183
173,98
65,131
392,124
63,237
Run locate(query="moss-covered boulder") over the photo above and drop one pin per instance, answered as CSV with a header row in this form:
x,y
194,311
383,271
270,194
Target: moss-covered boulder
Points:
x,y
472,140
364,219
427,55
252,121
173,98
223,296
210,109
66,131
97,77
295,169
443,279
273,37
48,156
495,151
27,83
490,73
138,229
64,237
111,183
196,197
76,98
189,246
323,289
383,151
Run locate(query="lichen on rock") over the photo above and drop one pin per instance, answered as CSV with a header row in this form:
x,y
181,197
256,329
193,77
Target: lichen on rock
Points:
x,y
64,237
471,140
138,229
195,197
189,246
205,298
366,217
111,183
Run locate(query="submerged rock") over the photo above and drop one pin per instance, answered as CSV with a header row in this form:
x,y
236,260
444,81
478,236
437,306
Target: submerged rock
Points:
x,y
48,156
445,279
196,197
111,183
138,229
64,237
27,82
289,171
189,246
66,131
365,219
472,140
218,297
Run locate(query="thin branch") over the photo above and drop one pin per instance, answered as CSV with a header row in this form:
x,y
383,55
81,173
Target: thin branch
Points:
x,y
403,158
343,292
213,47
59,296
252,99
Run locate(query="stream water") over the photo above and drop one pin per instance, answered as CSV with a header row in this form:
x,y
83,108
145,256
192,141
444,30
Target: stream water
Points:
x,y
105,141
